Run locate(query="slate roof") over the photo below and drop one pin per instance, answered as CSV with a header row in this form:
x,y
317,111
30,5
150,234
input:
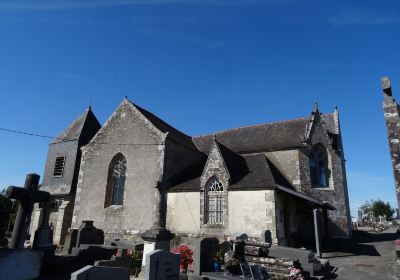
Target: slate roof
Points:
x,y
261,137
74,130
165,127
260,174
269,136
236,164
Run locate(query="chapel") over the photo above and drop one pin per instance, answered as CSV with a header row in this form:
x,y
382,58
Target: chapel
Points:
x,y
247,180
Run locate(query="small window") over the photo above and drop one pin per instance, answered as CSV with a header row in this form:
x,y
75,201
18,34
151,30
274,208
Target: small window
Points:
x,y
59,166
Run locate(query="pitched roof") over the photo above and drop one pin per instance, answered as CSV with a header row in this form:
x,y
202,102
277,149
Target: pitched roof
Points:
x,y
268,136
165,127
261,174
75,129
235,163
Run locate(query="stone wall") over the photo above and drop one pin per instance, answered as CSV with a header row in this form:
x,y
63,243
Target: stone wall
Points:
x,y
183,212
129,133
61,184
250,212
336,193
215,167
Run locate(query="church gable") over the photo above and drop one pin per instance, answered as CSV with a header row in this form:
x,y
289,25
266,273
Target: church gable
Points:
x,y
317,131
215,166
118,129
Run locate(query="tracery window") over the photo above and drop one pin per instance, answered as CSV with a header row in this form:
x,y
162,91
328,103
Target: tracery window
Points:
x,y
214,198
318,162
116,181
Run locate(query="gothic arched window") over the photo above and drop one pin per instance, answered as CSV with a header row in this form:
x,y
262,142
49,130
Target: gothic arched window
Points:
x,y
318,162
116,181
214,198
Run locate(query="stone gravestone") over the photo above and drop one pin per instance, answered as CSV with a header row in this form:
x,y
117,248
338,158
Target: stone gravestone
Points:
x,y
44,234
100,273
266,236
162,265
147,249
70,241
243,236
205,250
5,213
89,234
27,196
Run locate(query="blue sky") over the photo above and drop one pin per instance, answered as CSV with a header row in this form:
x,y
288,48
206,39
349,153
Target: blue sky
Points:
x,y
202,66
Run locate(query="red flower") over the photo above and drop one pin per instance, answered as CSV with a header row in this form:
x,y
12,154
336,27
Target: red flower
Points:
x,y
186,254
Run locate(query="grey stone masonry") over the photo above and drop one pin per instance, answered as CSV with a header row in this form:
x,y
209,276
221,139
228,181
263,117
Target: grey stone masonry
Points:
x,y
162,265
391,114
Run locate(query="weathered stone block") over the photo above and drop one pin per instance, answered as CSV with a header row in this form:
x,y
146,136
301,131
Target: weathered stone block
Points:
x,y
100,273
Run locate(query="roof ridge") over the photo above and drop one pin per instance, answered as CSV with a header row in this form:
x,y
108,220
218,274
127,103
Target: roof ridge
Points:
x,y
174,129
66,133
249,126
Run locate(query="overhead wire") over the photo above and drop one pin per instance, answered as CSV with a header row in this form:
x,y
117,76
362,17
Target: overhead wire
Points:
x,y
63,140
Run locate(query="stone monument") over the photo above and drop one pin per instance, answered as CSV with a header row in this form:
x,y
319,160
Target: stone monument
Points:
x,y
27,196
158,234
162,265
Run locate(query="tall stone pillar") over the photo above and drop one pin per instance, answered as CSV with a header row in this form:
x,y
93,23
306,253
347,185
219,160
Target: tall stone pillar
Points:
x,y
392,118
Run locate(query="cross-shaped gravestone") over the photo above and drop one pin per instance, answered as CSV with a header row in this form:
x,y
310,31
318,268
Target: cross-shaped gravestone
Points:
x,y
28,196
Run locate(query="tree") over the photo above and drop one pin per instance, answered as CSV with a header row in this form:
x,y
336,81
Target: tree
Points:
x,y
377,208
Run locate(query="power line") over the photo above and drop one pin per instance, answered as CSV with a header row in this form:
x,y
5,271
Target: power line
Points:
x,y
63,140
25,133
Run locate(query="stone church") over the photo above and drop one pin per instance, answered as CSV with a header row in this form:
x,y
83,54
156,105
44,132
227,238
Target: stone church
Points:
x,y
266,177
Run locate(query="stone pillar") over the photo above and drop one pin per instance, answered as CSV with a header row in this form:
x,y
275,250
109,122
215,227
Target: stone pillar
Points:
x,y
391,113
317,233
37,216
158,234
58,228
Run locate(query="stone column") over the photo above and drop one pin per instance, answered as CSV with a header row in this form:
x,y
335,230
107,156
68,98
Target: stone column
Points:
x,y
58,228
317,233
36,221
392,118
158,234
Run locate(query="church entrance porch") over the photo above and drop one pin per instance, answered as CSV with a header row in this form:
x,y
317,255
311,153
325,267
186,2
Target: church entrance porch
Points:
x,y
296,220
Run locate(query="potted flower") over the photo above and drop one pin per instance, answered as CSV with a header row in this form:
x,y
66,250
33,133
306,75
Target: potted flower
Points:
x,y
295,274
218,260
186,257
136,261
